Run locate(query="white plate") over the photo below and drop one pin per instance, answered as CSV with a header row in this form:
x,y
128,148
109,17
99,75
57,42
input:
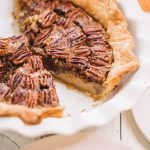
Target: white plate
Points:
x,y
141,114
80,141
125,98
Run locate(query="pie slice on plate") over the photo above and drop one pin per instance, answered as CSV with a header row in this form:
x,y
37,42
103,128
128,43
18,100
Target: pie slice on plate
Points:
x,y
27,89
86,43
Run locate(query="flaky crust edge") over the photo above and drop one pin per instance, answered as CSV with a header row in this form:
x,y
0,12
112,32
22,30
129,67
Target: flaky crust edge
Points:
x,y
108,13
30,116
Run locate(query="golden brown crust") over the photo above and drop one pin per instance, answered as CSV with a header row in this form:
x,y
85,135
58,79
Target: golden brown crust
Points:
x,y
30,116
122,42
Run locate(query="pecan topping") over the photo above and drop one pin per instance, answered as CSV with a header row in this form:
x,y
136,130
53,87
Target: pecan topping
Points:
x,y
4,91
68,38
77,62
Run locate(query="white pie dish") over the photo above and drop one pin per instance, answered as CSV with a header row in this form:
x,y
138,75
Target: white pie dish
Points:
x,y
75,102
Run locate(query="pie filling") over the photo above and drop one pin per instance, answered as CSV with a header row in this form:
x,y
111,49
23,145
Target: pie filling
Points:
x,y
23,79
74,45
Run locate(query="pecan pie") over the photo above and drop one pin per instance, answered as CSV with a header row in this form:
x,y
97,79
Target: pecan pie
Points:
x,y
27,89
85,43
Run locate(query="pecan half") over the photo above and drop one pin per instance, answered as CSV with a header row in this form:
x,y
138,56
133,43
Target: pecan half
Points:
x,y
31,99
16,80
30,83
79,17
82,51
96,73
46,81
77,62
10,45
19,56
47,18
18,96
48,97
74,36
42,36
98,49
36,63
57,53
4,91
103,59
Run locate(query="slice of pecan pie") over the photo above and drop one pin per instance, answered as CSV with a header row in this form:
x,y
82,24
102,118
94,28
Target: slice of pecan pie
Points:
x,y
85,42
27,89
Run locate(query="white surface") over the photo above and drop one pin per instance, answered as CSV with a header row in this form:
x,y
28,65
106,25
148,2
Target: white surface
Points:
x,y
75,101
141,113
79,141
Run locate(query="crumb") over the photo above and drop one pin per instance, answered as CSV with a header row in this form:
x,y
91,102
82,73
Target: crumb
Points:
x,y
83,110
